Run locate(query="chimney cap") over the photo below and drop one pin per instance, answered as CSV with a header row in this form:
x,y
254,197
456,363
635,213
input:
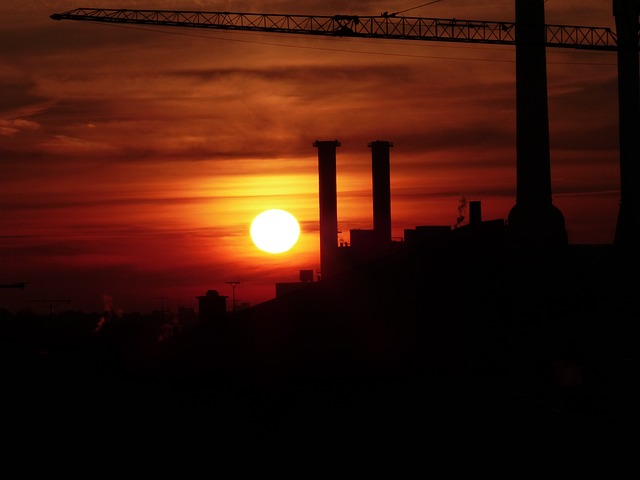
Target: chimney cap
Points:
x,y
318,142
377,142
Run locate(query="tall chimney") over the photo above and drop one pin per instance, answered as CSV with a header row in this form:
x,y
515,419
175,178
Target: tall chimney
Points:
x,y
475,212
534,222
328,197
381,182
628,228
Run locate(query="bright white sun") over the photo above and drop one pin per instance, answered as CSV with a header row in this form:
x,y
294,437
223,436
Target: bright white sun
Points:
x,y
275,231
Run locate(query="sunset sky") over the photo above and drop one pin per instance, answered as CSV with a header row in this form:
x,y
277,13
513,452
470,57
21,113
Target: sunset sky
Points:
x,y
133,159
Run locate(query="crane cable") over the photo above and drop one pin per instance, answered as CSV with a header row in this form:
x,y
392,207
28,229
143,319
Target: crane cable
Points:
x,y
364,52
413,8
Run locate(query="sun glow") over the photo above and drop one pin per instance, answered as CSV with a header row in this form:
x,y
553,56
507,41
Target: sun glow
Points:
x,y
275,231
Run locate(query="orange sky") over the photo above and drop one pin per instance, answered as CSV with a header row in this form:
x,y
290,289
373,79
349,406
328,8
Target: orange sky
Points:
x,y
134,159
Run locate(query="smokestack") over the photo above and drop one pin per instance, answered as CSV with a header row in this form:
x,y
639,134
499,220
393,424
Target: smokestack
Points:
x,y
628,227
534,221
475,212
328,197
381,181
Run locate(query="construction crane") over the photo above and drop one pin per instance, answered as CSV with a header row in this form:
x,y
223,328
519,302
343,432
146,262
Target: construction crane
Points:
x,y
533,215
380,26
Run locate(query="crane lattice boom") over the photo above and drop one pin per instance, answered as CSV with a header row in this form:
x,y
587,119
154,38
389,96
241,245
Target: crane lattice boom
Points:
x,y
382,26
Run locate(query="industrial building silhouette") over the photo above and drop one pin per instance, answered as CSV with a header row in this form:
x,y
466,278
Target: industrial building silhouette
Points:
x,y
495,338
452,329
498,326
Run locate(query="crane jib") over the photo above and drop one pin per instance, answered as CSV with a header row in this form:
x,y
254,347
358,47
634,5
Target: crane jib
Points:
x,y
381,26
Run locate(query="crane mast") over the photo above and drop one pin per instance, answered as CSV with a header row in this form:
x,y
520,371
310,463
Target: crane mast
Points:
x,y
380,26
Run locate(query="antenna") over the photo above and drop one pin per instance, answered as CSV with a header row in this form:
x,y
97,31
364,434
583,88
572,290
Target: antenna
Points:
x,y
234,284
53,303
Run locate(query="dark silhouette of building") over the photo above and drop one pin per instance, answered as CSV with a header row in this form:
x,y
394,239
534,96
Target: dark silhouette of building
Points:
x,y
187,317
212,306
425,232
306,280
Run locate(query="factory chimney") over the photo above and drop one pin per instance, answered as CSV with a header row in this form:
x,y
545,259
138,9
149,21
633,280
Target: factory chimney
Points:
x,y
328,197
475,212
381,183
627,28
534,222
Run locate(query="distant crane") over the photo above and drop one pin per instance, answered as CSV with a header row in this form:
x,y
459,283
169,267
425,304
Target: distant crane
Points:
x,y
533,216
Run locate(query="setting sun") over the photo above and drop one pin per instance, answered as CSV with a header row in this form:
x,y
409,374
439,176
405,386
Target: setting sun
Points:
x,y
275,231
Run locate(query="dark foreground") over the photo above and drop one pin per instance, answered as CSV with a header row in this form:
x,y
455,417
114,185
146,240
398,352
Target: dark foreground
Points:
x,y
442,357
